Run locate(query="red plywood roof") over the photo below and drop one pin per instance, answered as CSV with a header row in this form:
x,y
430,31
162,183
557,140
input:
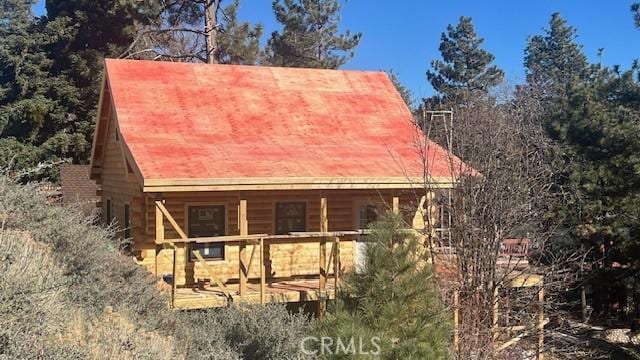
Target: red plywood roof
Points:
x,y
201,122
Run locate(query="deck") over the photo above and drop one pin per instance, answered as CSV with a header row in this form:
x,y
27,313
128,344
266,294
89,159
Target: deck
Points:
x,y
283,291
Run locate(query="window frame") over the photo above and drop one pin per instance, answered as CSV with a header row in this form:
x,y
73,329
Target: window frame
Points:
x,y
360,202
126,220
290,201
108,216
194,246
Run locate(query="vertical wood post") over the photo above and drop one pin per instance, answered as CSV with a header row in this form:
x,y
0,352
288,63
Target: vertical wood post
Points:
x,y
583,300
244,231
324,227
336,263
540,350
456,321
173,276
496,313
396,205
262,274
159,233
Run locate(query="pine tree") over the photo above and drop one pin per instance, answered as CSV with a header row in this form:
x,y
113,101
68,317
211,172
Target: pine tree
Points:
x,y
597,124
50,70
635,8
310,35
465,69
554,59
404,92
178,34
35,124
394,298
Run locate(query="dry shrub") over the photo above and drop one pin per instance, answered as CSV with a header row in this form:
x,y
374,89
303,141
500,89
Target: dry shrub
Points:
x,y
113,336
67,293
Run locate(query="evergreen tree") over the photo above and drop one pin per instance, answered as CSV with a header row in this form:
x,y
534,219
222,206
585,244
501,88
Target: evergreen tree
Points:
x,y
465,69
404,92
35,125
50,70
394,298
310,35
553,60
635,8
179,34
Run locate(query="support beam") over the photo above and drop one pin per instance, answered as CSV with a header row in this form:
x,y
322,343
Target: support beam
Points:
x,y
172,221
336,262
159,235
324,227
456,321
540,350
396,205
244,231
263,287
204,264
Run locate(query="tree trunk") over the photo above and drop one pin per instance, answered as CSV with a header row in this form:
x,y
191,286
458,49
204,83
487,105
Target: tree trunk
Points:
x,y
211,29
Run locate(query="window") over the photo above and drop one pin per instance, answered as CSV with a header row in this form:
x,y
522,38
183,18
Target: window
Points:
x,y
107,218
207,221
291,217
367,213
127,222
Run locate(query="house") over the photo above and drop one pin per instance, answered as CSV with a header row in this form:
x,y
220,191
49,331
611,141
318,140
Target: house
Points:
x,y
254,183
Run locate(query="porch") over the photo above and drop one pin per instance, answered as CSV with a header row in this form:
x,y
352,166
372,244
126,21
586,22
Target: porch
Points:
x,y
253,283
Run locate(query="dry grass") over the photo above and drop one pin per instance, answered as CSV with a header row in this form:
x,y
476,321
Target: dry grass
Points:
x,y
67,293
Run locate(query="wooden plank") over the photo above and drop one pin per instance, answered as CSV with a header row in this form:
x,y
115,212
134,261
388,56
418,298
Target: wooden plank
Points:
x,y
244,231
396,205
324,227
216,239
336,262
456,321
263,288
173,223
223,288
540,347
159,234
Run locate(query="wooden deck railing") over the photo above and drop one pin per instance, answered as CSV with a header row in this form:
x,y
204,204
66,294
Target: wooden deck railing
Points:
x,y
257,242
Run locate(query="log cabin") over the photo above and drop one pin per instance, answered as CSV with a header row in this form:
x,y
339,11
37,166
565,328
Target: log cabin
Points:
x,y
252,183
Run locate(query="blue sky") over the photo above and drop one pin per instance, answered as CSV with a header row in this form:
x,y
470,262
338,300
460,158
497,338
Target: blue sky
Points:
x,y
404,35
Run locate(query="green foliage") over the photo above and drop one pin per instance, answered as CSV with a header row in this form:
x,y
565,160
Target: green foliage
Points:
x,y
179,32
597,124
635,8
239,43
465,68
50,70
394,297
310,35
553,60
404,92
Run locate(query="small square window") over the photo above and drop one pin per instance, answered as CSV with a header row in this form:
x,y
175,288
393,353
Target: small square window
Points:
x,y
207,221
291,217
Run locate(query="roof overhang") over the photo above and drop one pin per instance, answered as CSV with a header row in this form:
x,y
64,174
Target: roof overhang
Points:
x,y
292,183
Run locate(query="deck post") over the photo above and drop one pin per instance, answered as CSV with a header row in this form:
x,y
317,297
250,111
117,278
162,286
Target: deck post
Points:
x,y
159,234
496,313
396,205
336,262
244,231
324,227
263,289
456,321
540,349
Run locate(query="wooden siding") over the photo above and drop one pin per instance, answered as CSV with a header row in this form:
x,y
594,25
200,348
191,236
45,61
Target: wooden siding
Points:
x,y
119,188
284,259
